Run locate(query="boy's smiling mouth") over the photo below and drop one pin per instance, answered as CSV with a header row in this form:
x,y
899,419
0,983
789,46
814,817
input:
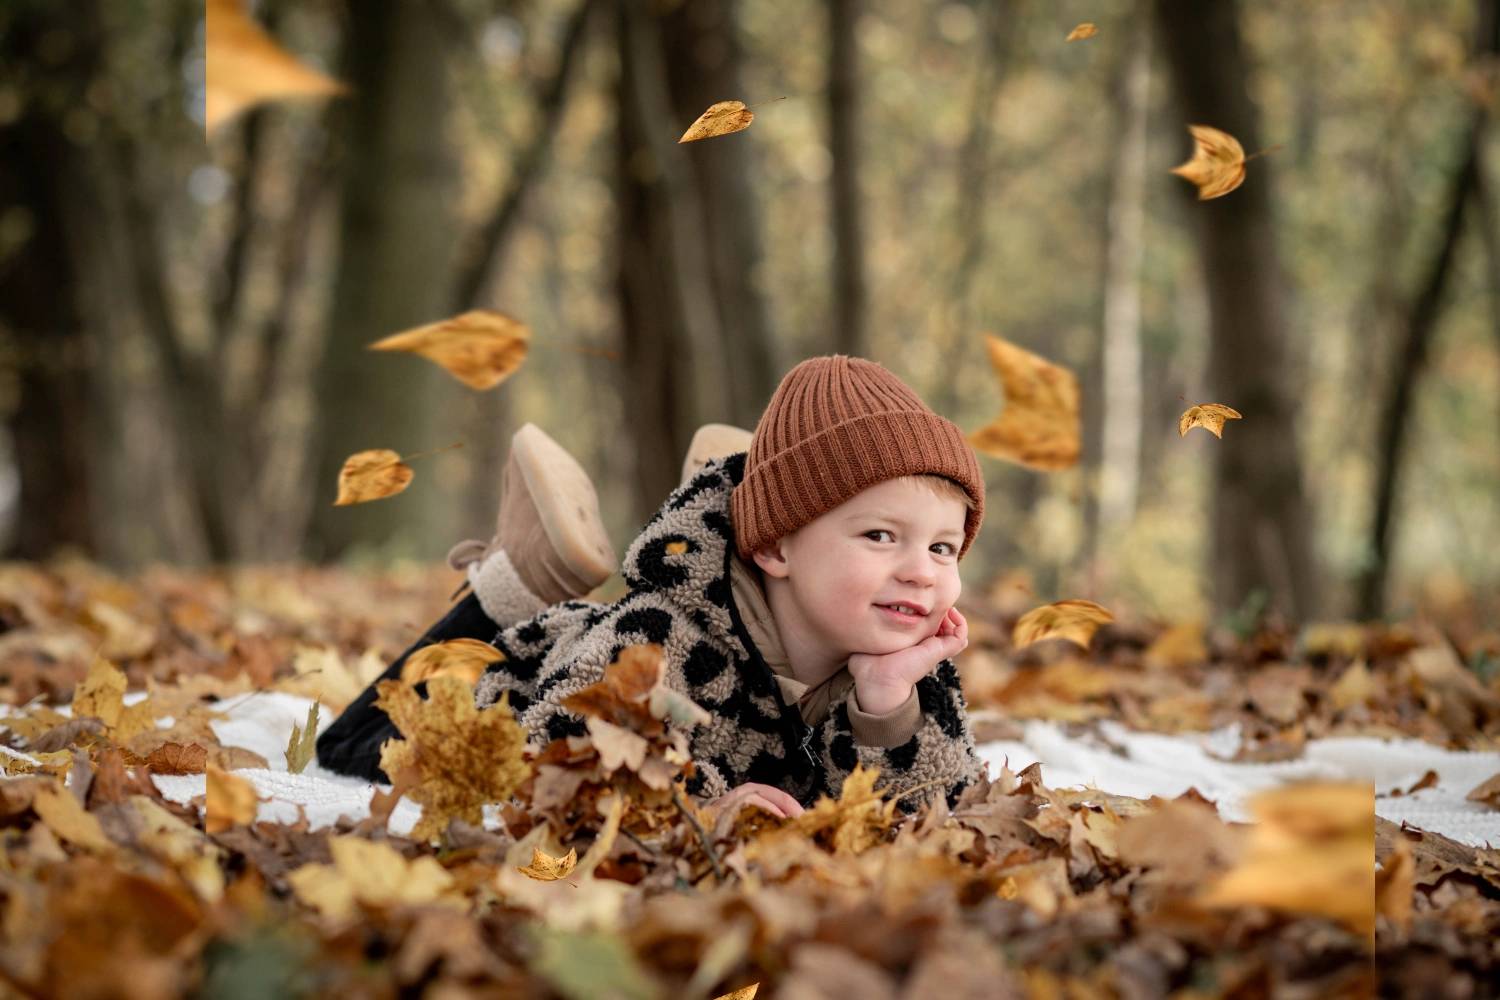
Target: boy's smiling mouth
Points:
x,y
907,614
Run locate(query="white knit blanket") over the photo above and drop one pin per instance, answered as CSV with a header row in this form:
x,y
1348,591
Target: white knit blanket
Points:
x,y
1123,761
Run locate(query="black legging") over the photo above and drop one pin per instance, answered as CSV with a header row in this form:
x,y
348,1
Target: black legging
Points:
x,y
352,744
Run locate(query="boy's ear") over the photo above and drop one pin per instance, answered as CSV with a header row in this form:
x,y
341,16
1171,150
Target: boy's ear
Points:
x,y
771,560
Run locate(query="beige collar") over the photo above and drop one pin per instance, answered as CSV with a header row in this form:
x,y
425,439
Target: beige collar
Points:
x,y
750,598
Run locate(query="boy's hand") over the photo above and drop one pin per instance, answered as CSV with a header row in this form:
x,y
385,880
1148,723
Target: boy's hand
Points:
x,y
772,800
883,682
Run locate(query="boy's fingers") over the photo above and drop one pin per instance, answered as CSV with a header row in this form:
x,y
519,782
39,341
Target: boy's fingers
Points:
x,y
764,803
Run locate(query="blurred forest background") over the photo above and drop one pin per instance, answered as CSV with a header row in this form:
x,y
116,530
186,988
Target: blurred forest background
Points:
x,y
183,323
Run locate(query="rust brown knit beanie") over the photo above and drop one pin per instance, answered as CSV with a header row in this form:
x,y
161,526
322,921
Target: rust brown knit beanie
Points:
x,y
835,426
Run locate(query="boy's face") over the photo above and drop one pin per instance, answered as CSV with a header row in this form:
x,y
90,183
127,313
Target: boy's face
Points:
x,y
892,544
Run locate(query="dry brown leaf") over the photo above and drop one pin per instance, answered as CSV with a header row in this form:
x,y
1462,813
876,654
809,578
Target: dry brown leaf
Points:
x,y
231,800
1393,883
372,475
1084,30
466,757
480,348
1076,621
1209,416
1039,426
545,868
721,119
1218,163
1312,851
181,846
374,874
125,637
1487,792
303,744
236,758
464,658
245,66
174,758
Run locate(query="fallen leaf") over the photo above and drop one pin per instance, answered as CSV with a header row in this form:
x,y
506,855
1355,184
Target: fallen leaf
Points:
x,y
236,759
1487,792
857,821
1179,646
374,874
65,817
184,847
102,695
66,734
1393,884
231,801
1312,851
245,66
1218,163
125,638
591,965
174,758
1428,780
322,675
1084,30
545,868
480,348
372,475
1039,426
303,744
721,119
1355,686
463,658
466,757
1076,621
1209,416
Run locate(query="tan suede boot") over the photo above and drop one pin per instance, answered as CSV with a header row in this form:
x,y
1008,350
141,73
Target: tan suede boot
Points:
x,y
550,544
713,441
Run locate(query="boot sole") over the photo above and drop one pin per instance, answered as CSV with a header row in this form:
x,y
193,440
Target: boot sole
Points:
x,y
710,442
567,504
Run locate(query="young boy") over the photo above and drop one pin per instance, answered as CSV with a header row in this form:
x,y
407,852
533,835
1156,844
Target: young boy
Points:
x,y
801,584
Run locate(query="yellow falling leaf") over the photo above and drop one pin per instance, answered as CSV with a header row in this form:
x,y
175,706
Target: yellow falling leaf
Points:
x,y
465,757
303,744
465,658
1076,621
1209,416
721,119
1039,426
231,801
746,993
1218,163
545,868
1311,851
245,66
373,874
102,695
480,348
1084,30
372,475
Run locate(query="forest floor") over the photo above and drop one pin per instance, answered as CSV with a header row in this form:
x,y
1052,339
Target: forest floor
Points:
x,y
631,890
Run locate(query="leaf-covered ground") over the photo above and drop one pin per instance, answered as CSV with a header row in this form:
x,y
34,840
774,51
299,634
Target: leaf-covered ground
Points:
x,y
111,889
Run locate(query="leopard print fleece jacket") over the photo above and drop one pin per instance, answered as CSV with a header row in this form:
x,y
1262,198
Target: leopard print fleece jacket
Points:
x,y
682,600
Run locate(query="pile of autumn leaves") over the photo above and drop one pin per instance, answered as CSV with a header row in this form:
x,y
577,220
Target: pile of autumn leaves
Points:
x,y
603,875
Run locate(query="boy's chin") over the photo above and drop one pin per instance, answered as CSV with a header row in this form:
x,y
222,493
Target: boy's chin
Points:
x,y
881,645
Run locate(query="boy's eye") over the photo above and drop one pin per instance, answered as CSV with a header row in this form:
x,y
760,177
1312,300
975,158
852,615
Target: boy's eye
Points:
x,y
878,531
946,545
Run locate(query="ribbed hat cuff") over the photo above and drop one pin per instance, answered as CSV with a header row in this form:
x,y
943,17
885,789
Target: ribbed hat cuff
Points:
x,y
874,447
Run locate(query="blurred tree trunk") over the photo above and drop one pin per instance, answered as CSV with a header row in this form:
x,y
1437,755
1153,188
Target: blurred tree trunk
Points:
x,y
54,409
1120,451
693,350
703,68
850,295
1466,191
1262,521
395,263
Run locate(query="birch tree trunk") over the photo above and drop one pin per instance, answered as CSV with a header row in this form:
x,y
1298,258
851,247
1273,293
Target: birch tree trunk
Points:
x,y
1120,458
